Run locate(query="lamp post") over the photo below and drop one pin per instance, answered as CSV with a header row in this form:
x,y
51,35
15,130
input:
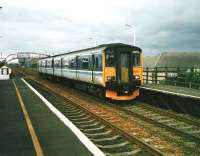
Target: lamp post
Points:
x,y
0,9
1,52
134,32
94,39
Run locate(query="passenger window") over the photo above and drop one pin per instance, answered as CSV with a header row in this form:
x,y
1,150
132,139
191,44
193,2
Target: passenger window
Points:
x,y
84,63
49,63
44,64
110,59
65,63
72,63
98,62
57,63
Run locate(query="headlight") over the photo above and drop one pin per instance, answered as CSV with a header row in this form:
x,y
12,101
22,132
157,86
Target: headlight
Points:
x,y
110,78
137,77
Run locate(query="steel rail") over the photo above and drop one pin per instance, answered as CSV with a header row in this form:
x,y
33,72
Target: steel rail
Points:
x,y
147,147
176,131
172,115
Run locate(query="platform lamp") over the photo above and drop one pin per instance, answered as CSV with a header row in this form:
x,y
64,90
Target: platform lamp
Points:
x,y
134,32
93,39
0,9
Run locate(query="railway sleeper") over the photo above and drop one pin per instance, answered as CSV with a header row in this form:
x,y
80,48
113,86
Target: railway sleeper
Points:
x,y
90,125
80,115
81,118
195,132
94,129
74,113
106,139
84,122
129,153
99,134
122,144
185,127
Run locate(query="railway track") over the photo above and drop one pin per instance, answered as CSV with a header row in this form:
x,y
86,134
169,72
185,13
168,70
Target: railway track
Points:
x,y
173,124
139,147
177,124
186,128
187,120
109,138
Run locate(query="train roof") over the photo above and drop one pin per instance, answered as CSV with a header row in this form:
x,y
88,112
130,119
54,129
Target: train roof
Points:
x,y
111,45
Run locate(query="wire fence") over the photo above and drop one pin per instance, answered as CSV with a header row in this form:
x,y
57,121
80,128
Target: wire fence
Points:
x,y
176,76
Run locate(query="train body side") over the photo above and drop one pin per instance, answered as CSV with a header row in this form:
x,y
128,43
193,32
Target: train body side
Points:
x,y
64,66
91,68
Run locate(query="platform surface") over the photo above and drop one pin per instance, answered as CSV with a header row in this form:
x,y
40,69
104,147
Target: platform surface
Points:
x,y
15,140
175,89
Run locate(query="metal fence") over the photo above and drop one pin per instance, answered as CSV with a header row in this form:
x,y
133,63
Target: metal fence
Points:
x,y
177,76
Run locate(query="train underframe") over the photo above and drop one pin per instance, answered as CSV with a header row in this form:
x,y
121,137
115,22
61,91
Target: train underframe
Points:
x,y
113,93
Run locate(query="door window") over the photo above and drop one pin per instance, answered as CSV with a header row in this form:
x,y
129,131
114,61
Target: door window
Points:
x,y
124,68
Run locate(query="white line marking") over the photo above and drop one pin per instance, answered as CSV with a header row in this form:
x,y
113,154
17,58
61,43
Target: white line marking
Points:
x,y
84,139
163,91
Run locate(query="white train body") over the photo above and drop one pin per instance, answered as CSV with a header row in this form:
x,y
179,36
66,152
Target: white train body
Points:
x,y
61,64
111,70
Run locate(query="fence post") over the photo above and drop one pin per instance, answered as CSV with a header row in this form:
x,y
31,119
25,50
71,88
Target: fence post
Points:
x,y
190,85
192,71
156,75
178,71
147,75
166,72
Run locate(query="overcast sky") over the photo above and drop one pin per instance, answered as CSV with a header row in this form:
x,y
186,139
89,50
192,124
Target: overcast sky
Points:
x,y
64,25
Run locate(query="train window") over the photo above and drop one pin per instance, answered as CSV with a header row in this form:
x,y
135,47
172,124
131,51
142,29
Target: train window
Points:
x,y
72,63
57,63
84,63
40,64
49,64
98,62
136,59
65,63
44,63
110,59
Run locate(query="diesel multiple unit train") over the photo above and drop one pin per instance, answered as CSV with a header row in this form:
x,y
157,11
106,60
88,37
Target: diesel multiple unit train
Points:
x,y
112,71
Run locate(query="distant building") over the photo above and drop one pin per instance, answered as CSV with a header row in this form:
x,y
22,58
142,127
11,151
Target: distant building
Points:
x,y
5,73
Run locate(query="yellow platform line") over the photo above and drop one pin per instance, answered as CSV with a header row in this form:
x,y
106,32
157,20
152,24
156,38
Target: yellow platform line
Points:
x,y
34,137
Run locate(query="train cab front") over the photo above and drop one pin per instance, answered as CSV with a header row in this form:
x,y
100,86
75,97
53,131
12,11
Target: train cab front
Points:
x,y
123,72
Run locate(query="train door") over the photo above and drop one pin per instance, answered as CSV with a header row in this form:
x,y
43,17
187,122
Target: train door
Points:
x,y
97,68
53,65
77,63
46,66
92,64
123,68
61,66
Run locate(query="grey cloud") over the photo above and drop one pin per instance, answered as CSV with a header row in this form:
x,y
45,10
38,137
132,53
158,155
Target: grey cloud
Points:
x,y
171,25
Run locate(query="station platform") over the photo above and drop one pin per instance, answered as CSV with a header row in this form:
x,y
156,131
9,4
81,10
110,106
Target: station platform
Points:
x,y
174,90
52,136
179,99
